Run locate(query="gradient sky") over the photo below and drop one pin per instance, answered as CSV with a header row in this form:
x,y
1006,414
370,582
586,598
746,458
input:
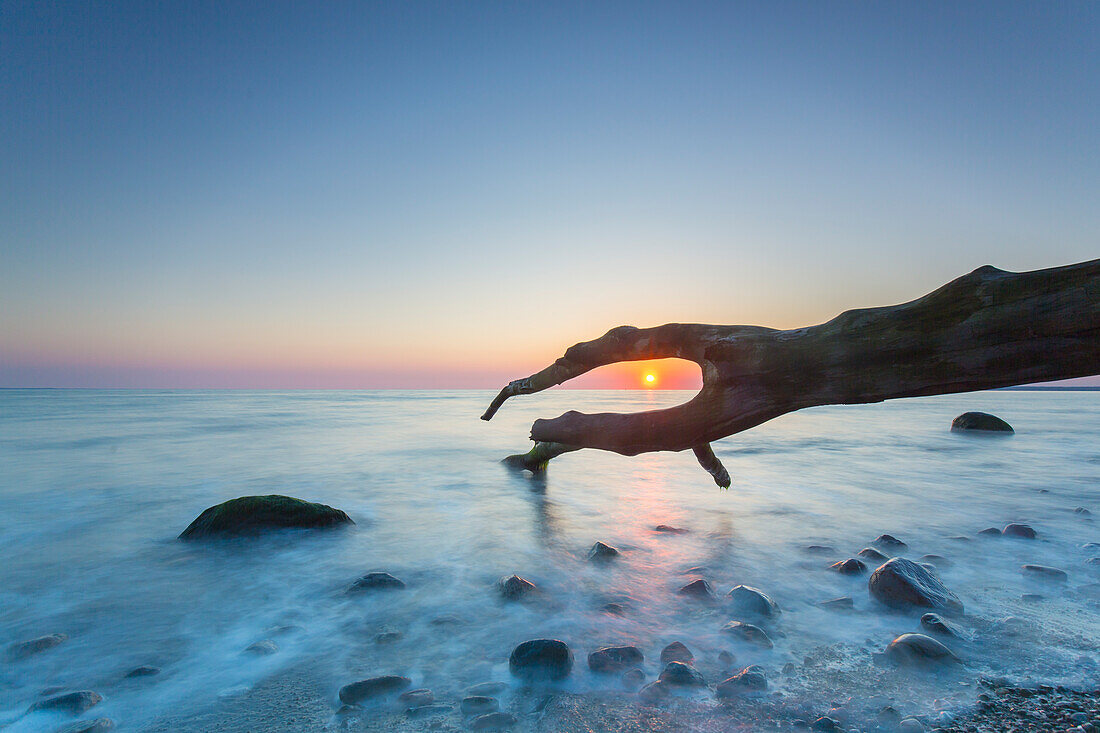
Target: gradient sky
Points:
x,y
449,194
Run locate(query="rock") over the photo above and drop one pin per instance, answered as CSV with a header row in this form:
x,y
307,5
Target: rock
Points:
x,y
747,599
514,587
25,649
918,649
820,550
910,725
980,421
357,692
420,711
487,689
447,619
697,589
937,561
888,541
1093,562
844,603
493,721
1082,512
870,553
614,658
376,580
959,538
990,532
479,705
261,648
602,552
615,609
667,528
900,583
549,658
654,692
632,679
937,624
389,636
73,703
851,566
828,725
676,652
745,681
255,514
99,725
417,698
1031,597
749,633
726,659
142,671
888,717
1021,531
679,674
1044,572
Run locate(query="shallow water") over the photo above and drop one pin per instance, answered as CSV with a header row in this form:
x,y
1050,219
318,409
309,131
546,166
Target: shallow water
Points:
x,y
95,486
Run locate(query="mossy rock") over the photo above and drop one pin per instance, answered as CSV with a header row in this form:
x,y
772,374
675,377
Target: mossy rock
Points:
x,y
256,514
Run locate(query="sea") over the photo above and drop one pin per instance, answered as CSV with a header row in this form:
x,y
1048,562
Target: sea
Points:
x,y
96,486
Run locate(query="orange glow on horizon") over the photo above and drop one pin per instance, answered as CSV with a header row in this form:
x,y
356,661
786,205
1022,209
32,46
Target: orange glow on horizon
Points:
x,y
650,380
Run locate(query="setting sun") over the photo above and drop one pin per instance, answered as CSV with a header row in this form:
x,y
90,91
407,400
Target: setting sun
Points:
x,y
650,379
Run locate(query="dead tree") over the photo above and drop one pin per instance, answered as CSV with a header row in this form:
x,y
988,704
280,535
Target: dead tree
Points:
x,y
984,330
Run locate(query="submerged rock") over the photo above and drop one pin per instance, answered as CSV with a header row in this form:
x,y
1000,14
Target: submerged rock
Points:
x,y
980,421
750,679
870,553
676,652
632,679
851,566
493,721
479,705
679,674
549,658
900,583
420,711
990,532
890,542
25,649
844,603
918,649
615,609
819,549
1082,512
261,648
255,514
488,689
514,587
937,624
99,725
748,632
376,580
747,599
826,724
938,561
726,659
614,658
654,692
697,589
1022,531
73,703
1044,572
417,698
602,552
669,529
143,671
362,690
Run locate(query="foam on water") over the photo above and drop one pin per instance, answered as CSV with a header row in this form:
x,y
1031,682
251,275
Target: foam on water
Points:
x,y
95,486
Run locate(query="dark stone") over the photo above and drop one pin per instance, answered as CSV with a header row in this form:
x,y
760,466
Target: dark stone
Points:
x,y
614,658
697,589
388,637
918,649
990,532
357,692
980,421
375,581
747,680
937,624
676,652
828,725
870,553
615,609
99,725
1082,512
667,528
549,658
1044,572
679,674
654,692
820,550
901,583
890,542
726,659
254,514
514,587
747,599
262,648
479,705
24,649
851,566
143,671
601,552
749,633
938,561
844,603
417,698
633,678
1021,531
487,689
71,702
1093,562
493,721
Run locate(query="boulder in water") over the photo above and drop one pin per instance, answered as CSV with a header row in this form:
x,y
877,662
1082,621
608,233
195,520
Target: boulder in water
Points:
x,y
363,690
31,647
889,542
938,561
654,692
1021,531
255,514
669,529
937,624
697,589
754,601
1045,572
748,632
417,698
748,680
601,552
900,583
514,587
676,652
851,566
918,649
376,580
982,421
73,703
679,674
632,679
548,658
144,670
873,555
990,532
261,648
614,658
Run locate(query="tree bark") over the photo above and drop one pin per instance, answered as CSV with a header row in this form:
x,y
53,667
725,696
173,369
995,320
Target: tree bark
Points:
x,y
984,330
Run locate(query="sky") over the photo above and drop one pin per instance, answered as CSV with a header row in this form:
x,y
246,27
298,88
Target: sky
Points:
x,y
422,195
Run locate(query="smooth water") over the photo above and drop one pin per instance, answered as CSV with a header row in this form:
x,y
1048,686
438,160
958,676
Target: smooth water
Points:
x,y
95,486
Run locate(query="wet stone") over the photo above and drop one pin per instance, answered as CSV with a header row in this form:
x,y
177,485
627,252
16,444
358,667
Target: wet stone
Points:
x,y
615,609
1045,572
990,532
249,515
981,422
262,648
669,529
372,687
479,705
917,650
513,587
1082,512
28,648
614,658
851,566
632,679
938,561
819,550
143,671
549,658
679,674
417,698
889,542
676,652
746,599
487,689
872,555
935,623
748,680
843,603
748,633
375,581
825,724
901,583
697,589
98,725
1021,531
726,659
493,721
601,552
423,711
71,702
654,692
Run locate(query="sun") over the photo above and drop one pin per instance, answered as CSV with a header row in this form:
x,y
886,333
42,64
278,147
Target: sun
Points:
x,y
649,378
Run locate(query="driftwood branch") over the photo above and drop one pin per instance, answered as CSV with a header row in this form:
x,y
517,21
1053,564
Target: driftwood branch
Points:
x,y
984,330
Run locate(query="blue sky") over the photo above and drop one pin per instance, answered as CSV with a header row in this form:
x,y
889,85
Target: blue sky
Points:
x,y
449,194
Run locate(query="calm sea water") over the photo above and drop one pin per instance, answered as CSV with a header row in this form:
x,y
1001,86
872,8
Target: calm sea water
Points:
x,y
95,486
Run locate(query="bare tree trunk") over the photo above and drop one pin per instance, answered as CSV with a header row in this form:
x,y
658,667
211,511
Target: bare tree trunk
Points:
x,y
984,330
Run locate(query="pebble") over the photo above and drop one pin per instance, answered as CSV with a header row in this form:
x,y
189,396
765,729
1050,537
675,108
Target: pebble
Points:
x,y
550,658
750,679
143,671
